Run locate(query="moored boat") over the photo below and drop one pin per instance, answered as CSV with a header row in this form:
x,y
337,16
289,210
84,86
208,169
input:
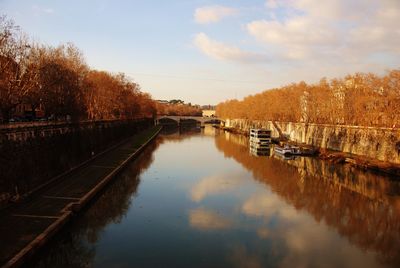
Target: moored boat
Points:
x,y
260,136
260,140
287,150
260,133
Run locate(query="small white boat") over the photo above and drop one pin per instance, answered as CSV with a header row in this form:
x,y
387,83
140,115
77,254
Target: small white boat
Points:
x,y
287,150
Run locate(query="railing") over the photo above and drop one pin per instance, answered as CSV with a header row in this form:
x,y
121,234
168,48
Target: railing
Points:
x,y
25,130
15,125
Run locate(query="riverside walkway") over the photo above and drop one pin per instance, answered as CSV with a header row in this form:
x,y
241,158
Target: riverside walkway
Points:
x,y
25,227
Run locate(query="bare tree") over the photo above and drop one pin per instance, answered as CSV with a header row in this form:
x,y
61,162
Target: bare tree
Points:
x,y
16,79
359,99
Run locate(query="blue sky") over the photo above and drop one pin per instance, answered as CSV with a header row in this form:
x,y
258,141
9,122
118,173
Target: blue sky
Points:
x,y
208,51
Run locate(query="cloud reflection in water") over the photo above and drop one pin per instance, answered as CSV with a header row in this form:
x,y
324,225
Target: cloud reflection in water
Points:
x,y
208,220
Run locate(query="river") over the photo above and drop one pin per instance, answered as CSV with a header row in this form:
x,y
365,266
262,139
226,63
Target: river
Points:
x,y
200,199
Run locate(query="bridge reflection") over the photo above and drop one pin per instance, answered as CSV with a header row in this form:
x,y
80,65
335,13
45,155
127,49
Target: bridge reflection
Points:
x,y
363,207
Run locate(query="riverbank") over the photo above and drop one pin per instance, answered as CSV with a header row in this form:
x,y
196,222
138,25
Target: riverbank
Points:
x,y
47,151
26,227
195,197
359,161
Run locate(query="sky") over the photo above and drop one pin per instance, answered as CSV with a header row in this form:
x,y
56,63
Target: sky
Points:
x,y
205,52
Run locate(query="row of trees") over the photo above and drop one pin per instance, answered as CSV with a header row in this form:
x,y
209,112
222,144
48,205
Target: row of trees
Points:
x,y
58,80
359,99
178,109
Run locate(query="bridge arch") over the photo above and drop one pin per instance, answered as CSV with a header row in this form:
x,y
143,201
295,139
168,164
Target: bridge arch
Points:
x,y
177,119
167,121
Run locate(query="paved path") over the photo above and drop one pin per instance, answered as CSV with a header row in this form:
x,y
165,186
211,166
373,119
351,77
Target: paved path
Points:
x,y
26,226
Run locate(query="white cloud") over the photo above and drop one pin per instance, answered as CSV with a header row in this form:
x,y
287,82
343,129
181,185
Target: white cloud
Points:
x,y
212,14
329,30
324,9
298,37
220,51
309,39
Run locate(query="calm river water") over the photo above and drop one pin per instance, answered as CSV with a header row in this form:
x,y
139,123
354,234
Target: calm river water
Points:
x,y
200,199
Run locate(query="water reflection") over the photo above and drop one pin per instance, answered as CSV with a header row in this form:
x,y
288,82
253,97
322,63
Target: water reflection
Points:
x,y
180,132
204,219
75,247
362,206
199,199
215,184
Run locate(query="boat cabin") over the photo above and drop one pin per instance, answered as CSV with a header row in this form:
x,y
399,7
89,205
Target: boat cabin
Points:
x,y
260,133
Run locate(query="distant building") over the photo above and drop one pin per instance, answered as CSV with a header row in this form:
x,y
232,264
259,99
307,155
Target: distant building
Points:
x,y
208,113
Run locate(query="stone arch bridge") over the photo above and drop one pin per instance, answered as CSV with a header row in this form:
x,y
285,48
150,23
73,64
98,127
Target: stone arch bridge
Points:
x,y
180,120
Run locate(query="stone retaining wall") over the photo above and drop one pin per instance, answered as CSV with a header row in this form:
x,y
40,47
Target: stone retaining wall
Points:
x,y
377,143
30,156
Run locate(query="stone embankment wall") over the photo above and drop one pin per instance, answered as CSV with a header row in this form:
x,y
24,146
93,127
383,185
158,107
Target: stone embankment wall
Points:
x,y
32,155
378,143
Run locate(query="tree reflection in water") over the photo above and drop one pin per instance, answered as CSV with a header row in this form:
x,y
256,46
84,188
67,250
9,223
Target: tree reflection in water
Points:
x,y
362,206
73,247
237,211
